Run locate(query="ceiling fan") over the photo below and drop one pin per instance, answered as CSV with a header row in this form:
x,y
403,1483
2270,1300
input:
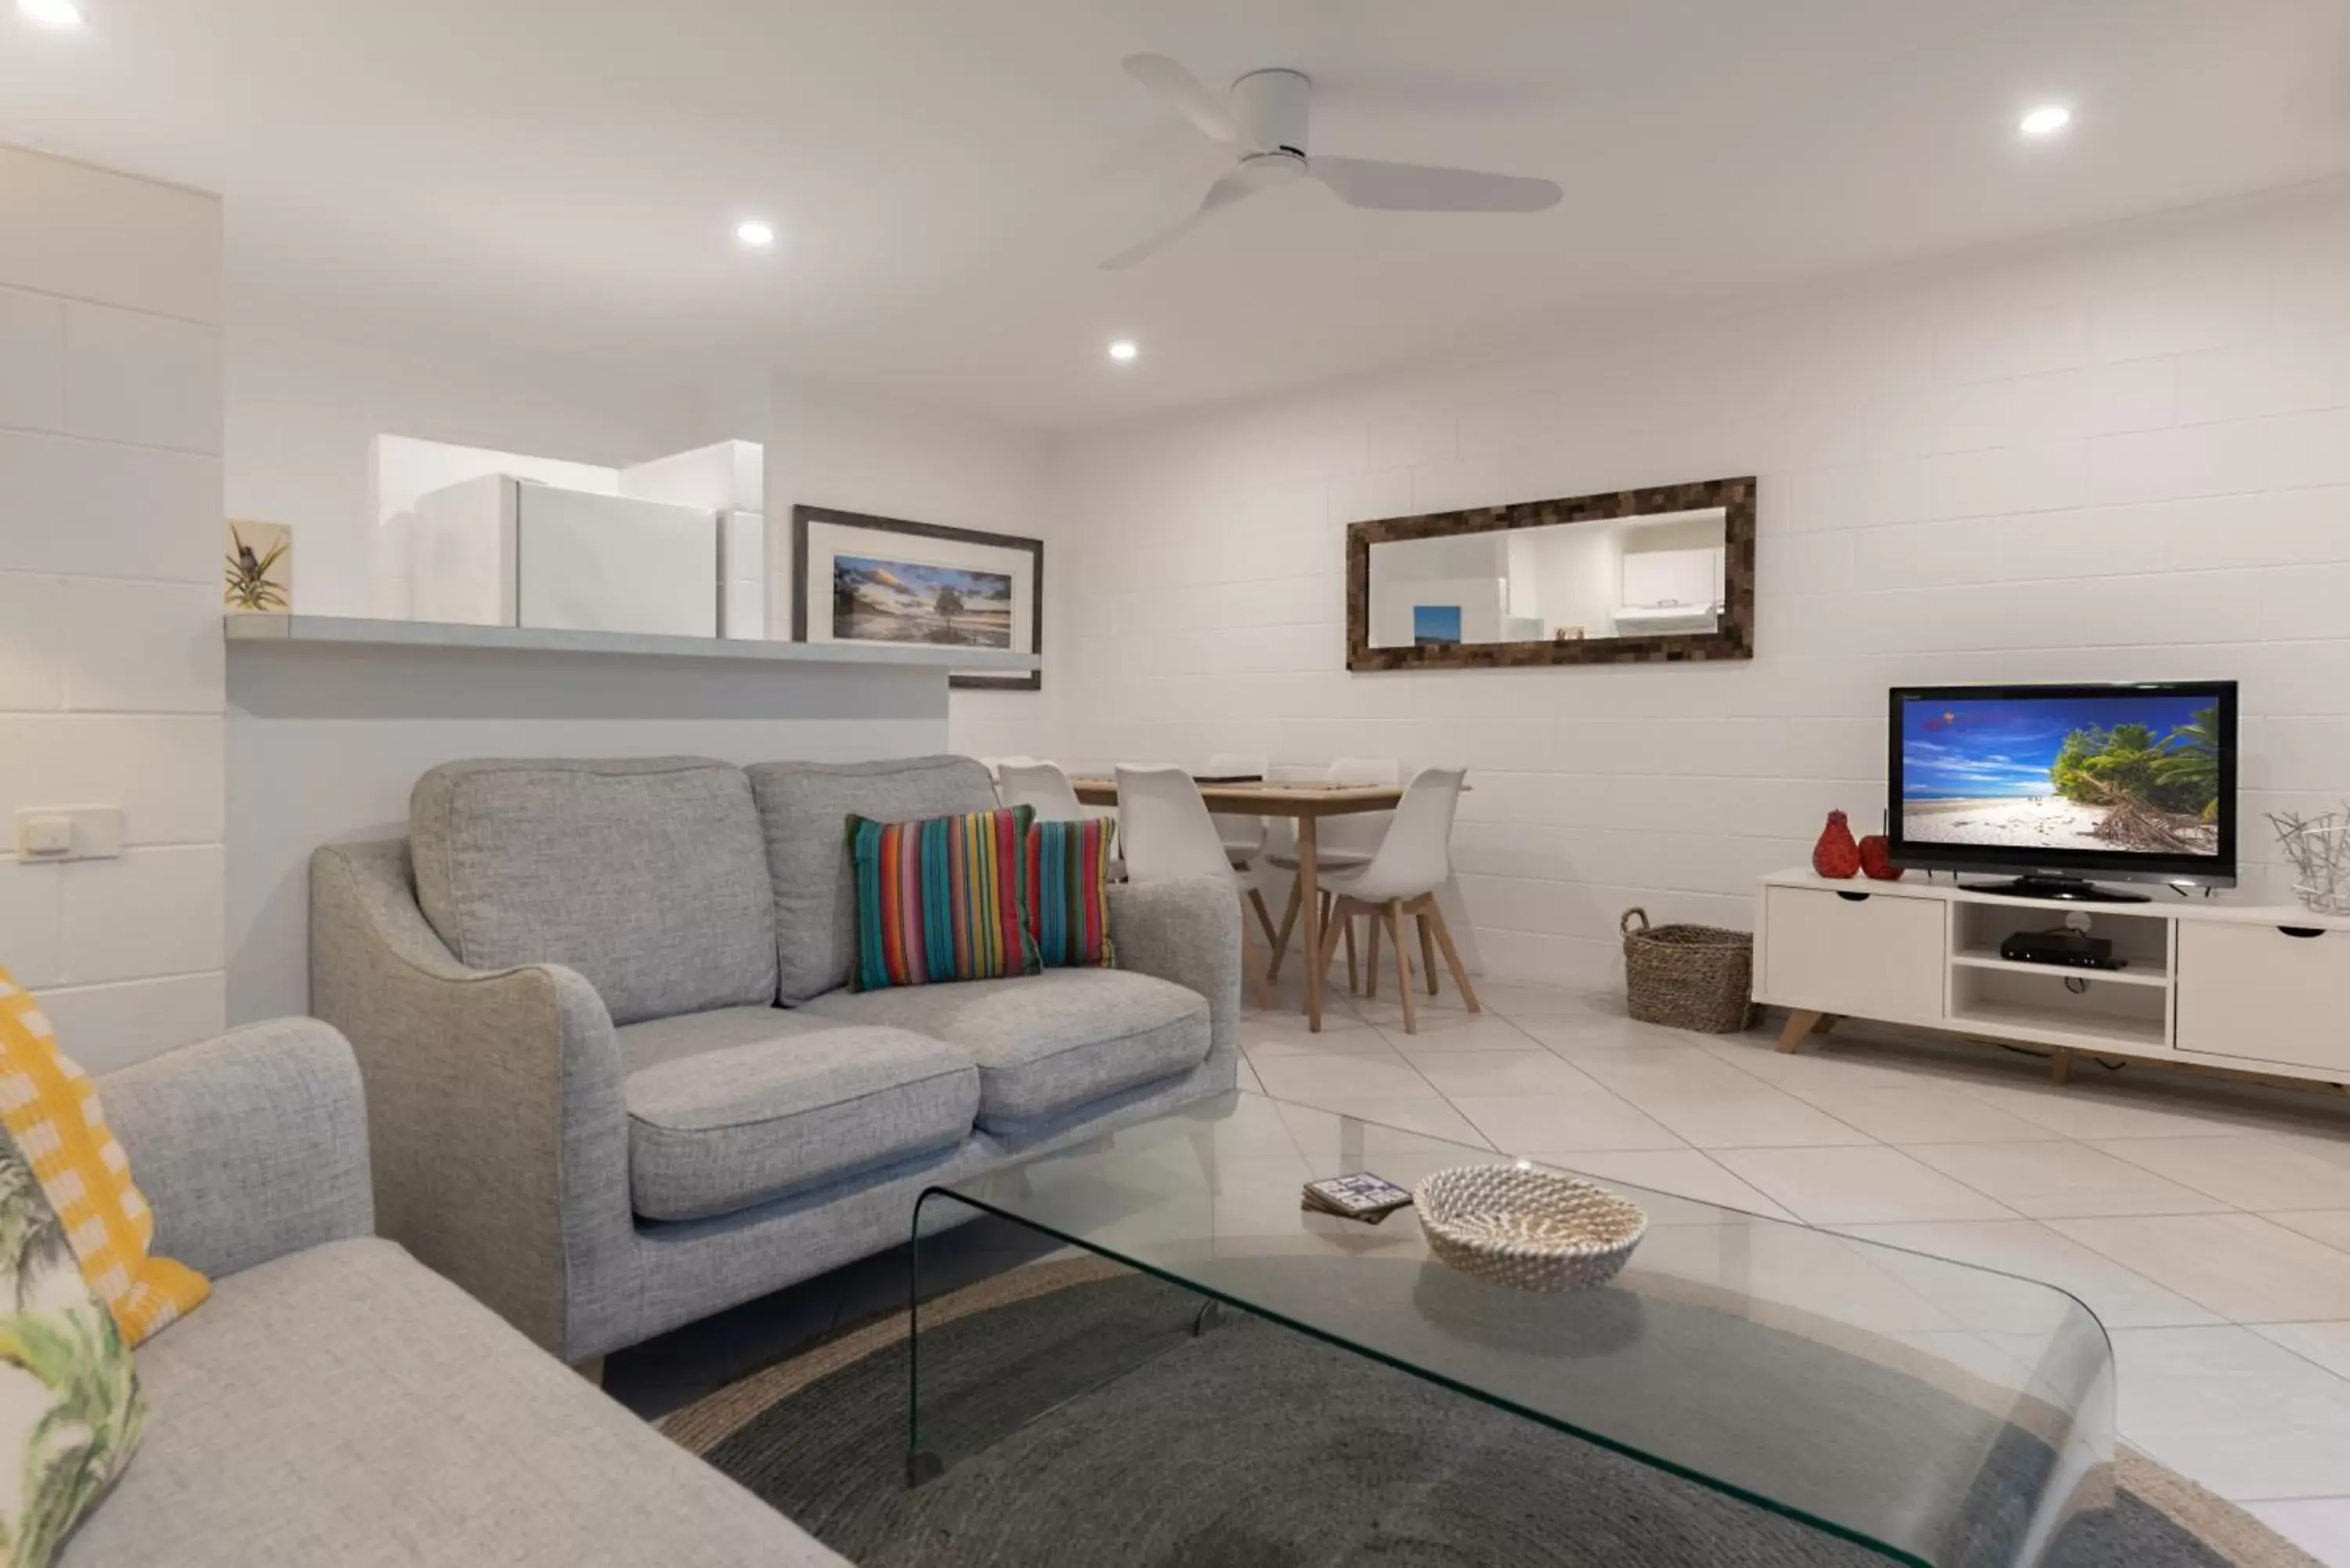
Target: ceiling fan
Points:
x,y
1264,117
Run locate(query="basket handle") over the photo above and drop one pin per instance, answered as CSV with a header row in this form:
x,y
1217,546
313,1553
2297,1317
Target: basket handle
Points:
x,y
1625,925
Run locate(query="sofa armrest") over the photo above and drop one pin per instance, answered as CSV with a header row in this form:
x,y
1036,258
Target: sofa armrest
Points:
x,y
493,1101
1189,931
249,1146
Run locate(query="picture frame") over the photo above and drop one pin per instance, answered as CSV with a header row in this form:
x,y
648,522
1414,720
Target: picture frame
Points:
x,y
259,575
857,578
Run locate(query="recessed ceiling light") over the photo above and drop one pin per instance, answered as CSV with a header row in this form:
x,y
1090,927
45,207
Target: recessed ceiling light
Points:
x,y
754,233
50,12
2046,120
1123,351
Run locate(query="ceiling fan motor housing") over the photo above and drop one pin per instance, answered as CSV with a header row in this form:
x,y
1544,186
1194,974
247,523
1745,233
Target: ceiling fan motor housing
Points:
x,y
1271,108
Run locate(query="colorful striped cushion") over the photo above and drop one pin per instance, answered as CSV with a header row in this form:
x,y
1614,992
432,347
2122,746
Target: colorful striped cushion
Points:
x,y
1068,892
942,899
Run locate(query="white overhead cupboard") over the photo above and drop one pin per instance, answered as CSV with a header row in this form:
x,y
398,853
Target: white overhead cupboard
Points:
x,y
502,551
2208,983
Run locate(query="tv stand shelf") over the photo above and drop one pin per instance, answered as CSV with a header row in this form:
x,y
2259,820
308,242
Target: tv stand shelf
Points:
x,y
2210,983
2136,974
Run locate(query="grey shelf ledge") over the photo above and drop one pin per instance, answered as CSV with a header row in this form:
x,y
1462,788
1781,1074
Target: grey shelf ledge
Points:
x,y
359,631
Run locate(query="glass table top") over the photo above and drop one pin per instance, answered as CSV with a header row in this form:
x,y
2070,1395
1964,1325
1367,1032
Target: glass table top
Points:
x,y
1934,1411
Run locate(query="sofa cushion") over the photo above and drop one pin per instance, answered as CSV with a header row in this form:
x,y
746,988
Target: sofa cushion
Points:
x,y
803,811
1045,1042
51,1111
68,1372
345,1405
761,1114
942,899
646,875
1069,871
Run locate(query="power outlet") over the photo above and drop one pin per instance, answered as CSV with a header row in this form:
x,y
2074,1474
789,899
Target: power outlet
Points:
x,y
69,832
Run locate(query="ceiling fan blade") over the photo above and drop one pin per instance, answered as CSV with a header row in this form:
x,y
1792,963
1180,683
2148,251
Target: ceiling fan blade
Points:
x,y
1222,194
1177,88
1424,188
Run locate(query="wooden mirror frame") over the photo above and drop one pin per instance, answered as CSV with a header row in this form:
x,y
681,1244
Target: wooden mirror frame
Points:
x,y
1735,639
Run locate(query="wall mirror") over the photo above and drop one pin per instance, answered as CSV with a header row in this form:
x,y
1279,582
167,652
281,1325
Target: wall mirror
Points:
x,y
1657,576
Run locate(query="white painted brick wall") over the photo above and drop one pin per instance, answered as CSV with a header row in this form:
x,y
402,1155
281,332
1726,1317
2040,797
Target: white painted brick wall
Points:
x,y
2121,454
110,650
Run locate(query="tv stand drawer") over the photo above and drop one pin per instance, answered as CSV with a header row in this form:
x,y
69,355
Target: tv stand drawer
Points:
x,y
2266,994
1867,955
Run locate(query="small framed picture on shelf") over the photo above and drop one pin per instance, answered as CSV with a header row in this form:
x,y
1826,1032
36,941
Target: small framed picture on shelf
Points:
x,y
259,575
858,578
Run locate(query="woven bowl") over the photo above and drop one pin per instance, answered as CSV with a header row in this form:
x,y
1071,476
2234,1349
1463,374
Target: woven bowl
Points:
x,y
1535,1230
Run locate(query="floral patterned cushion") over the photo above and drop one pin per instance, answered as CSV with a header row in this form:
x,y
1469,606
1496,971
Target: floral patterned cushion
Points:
x,y
70,1409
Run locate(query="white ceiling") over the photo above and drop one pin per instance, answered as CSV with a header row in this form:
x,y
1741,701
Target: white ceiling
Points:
x,y
568,173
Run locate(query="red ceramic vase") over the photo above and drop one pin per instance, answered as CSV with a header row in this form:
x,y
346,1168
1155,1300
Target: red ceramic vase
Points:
x,y
1876,860
1836,855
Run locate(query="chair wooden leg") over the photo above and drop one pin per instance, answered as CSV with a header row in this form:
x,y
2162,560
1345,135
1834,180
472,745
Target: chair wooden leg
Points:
x,y
1393,916
1288,924
1264,919
1435,916
1353,981
1427,949
1371,959
1330,944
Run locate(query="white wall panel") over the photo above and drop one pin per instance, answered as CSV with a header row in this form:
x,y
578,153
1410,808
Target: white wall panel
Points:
x,y
2121,454
110,648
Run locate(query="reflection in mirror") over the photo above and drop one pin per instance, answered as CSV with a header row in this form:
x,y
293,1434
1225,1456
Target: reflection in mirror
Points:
x,y
1644,576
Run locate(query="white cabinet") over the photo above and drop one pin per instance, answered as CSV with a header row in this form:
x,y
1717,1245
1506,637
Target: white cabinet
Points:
x,y
1868,955
2265,993
2209,984
501,551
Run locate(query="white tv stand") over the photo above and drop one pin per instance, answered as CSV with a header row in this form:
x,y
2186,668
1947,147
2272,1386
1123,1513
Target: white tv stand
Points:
x,y
2209,984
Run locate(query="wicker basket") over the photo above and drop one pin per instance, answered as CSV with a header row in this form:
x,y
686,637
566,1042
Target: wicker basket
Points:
x,y
1689,977
1535,1230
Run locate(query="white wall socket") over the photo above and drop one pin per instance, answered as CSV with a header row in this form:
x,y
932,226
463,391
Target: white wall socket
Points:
x,y
69,832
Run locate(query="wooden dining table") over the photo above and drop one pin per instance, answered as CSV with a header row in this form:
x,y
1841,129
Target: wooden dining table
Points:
x,y
1303,803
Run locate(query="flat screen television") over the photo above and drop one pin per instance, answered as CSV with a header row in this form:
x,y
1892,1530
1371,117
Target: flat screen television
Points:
x,y
2064,786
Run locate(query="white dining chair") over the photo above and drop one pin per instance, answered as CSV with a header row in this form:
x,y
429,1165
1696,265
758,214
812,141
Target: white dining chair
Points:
x,y
1341,843
996,766
1413,862
1167,833
1243,836
1041,785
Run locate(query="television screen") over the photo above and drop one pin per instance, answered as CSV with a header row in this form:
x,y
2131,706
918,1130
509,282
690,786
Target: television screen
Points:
x,y
2117,778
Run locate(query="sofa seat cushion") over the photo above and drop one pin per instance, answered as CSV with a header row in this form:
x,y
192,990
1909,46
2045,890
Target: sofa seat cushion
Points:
x,y
776,1103
648,875
1045,1042
804,812
346,1405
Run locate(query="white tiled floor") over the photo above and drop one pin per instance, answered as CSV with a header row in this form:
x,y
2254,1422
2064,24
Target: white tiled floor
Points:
x,y
2207,1223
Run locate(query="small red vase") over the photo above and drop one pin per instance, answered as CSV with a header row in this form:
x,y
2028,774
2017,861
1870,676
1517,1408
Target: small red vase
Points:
x,y
1876,860
1836,855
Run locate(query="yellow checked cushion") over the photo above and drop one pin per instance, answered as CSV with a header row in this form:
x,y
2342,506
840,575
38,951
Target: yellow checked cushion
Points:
x,y
50,1108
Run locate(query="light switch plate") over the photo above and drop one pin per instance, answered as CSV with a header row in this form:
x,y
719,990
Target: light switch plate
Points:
x,y
92,832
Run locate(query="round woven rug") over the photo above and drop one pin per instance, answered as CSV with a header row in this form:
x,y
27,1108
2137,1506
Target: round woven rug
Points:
x,y
1251,1445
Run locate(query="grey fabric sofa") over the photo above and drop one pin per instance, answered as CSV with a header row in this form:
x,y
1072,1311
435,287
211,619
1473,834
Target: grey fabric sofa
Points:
x,y
586,1106
335,1401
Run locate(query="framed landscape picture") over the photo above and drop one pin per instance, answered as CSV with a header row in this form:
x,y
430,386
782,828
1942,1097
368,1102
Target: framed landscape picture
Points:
x,y
858,578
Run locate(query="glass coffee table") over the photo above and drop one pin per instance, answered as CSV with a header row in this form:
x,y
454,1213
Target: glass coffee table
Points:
x,y
1932,1412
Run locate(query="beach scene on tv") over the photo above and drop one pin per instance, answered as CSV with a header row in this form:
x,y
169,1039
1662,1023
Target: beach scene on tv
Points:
x,y
2132,772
